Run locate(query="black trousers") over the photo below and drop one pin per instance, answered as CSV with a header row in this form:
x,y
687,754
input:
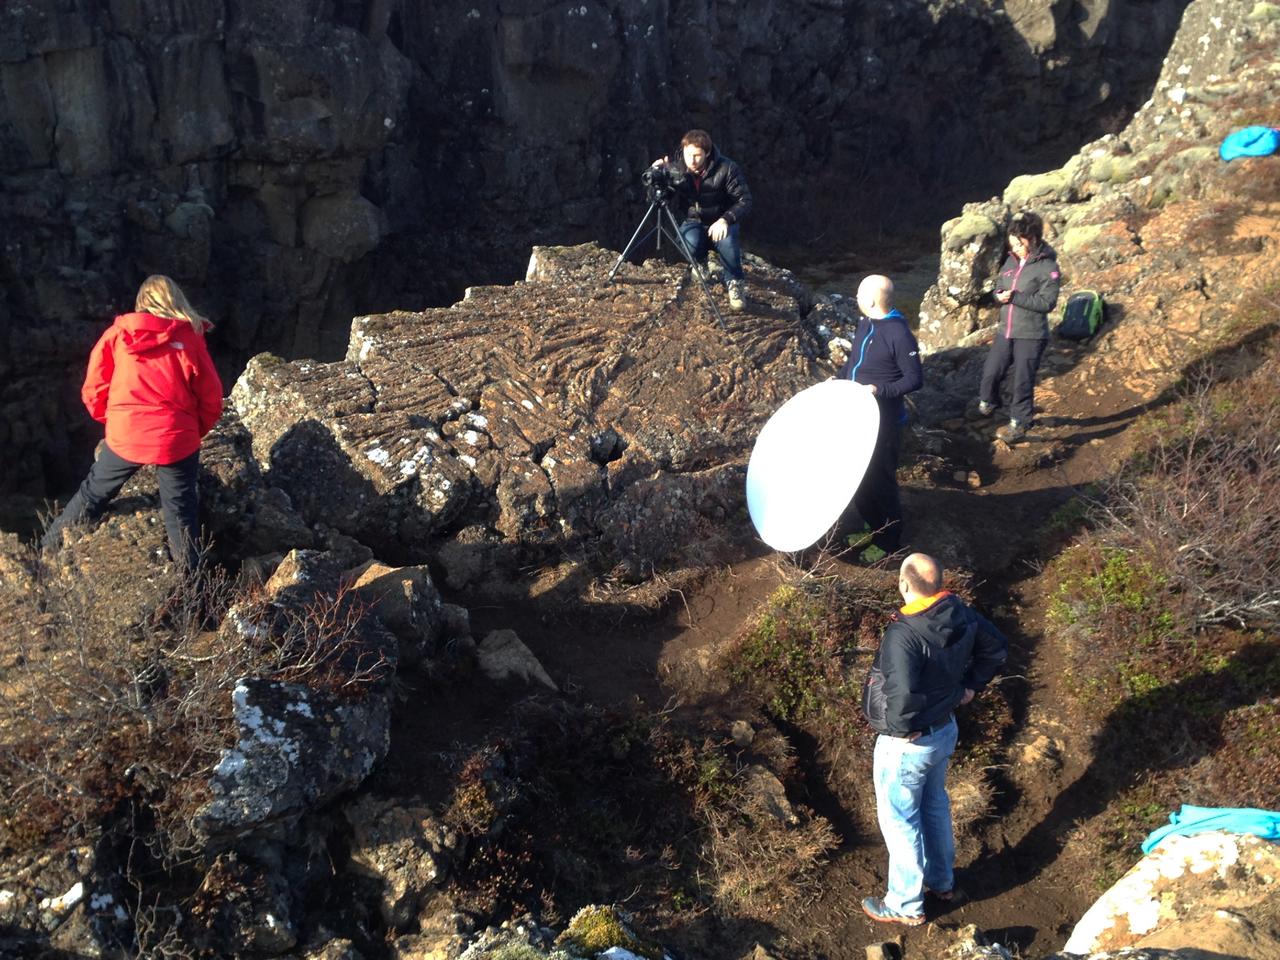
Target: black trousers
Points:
x,y
179,501
1024,356
877,501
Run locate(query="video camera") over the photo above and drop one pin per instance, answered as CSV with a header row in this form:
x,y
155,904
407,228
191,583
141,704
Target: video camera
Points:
x,y
661,180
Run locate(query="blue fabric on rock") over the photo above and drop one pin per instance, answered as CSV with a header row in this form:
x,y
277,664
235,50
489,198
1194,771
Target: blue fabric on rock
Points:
x,y
1190,819
1250,142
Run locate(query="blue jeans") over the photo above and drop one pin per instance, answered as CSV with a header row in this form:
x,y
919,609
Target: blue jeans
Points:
x,y
730,250
915,816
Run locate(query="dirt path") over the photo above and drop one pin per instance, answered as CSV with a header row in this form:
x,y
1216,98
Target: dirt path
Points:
x,y
1027,886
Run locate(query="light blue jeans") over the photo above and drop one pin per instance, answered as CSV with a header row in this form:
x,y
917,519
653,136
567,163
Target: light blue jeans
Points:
x,y
915,816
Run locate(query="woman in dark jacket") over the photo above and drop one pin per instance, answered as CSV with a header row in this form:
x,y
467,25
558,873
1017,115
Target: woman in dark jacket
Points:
x,y
1027,289
152,383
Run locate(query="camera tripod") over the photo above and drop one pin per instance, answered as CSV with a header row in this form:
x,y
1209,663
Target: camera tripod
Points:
x,y
659,204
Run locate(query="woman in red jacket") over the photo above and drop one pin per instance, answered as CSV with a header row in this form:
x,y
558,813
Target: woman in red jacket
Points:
x,y
152,382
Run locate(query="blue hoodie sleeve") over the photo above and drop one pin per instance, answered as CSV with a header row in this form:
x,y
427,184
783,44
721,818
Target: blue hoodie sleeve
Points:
x,y
906,354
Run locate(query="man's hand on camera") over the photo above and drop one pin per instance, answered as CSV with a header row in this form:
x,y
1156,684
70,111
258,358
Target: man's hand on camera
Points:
x,y
660,162
718,230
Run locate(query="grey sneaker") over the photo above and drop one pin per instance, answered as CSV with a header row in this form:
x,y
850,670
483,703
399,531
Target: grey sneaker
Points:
x,y
1014,432
737,295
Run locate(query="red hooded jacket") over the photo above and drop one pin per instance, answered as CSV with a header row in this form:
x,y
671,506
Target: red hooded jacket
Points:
x,y
152,382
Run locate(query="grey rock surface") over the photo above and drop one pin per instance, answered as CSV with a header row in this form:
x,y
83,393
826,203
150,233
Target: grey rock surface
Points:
x,y
406,848
567,411
296,749
503,656
293,164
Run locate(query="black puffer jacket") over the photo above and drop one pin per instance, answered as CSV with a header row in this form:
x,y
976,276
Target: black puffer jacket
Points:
x,y
721,192
1034,283
925,662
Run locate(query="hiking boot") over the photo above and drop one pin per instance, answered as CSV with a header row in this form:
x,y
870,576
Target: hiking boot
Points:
x,y
980,410
737,295
1014,432
954,897
874,908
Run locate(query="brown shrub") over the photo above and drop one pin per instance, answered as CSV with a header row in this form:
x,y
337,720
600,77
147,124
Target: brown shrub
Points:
x,y
1199,507
570,804
1168,608
112,716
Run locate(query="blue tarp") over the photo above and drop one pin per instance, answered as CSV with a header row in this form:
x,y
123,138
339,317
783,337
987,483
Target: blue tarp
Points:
x,y
1250,142
1189,820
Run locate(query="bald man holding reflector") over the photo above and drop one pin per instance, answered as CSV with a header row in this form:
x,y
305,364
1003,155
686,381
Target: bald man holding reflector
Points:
x,y
840,439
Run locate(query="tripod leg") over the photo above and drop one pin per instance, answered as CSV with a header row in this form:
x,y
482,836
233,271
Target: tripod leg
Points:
x,y
635,236
679,240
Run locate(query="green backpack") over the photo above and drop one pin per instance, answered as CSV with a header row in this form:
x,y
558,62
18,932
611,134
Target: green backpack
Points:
x,y
1082,315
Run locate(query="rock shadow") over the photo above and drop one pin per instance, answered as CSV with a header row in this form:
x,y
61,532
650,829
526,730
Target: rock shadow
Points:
x,y
1187,727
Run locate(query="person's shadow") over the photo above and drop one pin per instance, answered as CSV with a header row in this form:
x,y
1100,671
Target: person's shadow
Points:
x,y
1170,727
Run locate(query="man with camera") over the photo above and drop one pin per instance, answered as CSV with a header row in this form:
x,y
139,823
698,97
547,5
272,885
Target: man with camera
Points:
x,y
710,196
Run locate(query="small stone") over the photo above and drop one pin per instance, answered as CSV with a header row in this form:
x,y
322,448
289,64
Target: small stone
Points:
x,y
503,655
884,951
742,734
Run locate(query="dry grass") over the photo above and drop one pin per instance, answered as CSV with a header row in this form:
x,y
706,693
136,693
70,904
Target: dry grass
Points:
x,y
116,703
1168,608
653,810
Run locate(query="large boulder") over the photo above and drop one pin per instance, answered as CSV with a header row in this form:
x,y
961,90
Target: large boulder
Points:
x,y
318,720
296,749
405,599
566,411
1213,891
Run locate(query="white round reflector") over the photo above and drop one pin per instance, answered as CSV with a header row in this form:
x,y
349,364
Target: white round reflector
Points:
x,y
808,461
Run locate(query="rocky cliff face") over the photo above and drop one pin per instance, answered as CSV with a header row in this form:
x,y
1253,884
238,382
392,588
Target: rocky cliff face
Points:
x,y
1132,211
295,163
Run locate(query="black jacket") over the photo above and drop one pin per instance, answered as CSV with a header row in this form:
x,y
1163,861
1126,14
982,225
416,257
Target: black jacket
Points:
x,y
925,662
1035,291
721,192
885,353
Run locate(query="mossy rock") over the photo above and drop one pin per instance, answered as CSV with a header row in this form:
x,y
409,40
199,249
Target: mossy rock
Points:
x,y
1076,240
1054,185
960,232
1111,169
594,929
1267,12
515,951
1191,157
